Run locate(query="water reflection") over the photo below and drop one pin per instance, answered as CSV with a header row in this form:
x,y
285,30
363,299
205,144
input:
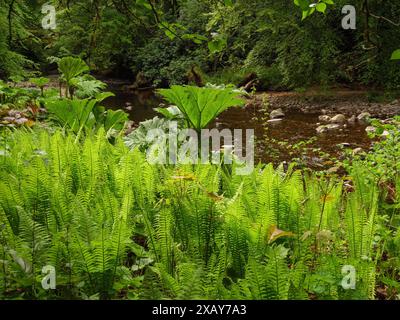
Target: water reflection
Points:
x,y
274,140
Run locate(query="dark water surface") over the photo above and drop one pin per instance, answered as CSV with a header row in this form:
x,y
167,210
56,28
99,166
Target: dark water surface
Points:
x,y
276,142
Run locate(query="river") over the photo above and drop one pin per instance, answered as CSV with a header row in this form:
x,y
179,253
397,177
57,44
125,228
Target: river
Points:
x,y
292,138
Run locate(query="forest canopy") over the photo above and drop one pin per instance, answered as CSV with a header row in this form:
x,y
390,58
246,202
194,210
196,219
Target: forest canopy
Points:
x,y
163,40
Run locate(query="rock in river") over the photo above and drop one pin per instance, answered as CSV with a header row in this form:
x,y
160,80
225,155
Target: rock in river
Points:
x,y
352,120
324,118
333,126
328,127
273,121
322,129
364,117
276,114
339,118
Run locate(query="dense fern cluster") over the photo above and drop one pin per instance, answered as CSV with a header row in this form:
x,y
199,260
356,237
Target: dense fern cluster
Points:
x,y
116,227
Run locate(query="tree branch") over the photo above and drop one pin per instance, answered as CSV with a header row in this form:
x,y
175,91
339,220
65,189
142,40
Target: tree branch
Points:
x,y
385,19
9,17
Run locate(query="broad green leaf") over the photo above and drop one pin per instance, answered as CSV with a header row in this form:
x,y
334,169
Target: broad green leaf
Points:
x,y
115,119
396,55
307,13
72,67
196,38
170,113
74,114
39,82
321,7
303,4
169,34
217,45
144,3
104,95
201,105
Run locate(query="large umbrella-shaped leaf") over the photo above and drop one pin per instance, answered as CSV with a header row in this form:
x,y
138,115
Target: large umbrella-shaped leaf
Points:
x,y
201,105
75,114
71,67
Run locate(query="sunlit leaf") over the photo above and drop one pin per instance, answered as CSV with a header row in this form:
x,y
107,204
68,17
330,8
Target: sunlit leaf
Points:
x,y
396,55
321,7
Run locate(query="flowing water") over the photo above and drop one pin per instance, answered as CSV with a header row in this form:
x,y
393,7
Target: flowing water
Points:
x,y
276,142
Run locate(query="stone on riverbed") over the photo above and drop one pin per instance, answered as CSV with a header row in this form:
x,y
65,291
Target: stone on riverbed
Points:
x,y
352,120
364,117
278,120
339,118
328,127
322,129
357,151
370,129
344,145
278,113
324,118
128,106
333,170
333,126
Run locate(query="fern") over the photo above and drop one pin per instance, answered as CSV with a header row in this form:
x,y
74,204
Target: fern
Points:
x,y
114,225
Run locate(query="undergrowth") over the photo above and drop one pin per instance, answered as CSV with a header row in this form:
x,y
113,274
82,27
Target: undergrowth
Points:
x,y
116,227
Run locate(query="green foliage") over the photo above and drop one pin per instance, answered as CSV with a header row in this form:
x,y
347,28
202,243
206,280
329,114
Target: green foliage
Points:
x,y
164,62
309,7
111,119
87,86
164,40
40,83
396,55
382,161
139,137
200,106
86,115
56,219
16,97
75,114
16,38
115,226
170,113
70,68
217,44
379,172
